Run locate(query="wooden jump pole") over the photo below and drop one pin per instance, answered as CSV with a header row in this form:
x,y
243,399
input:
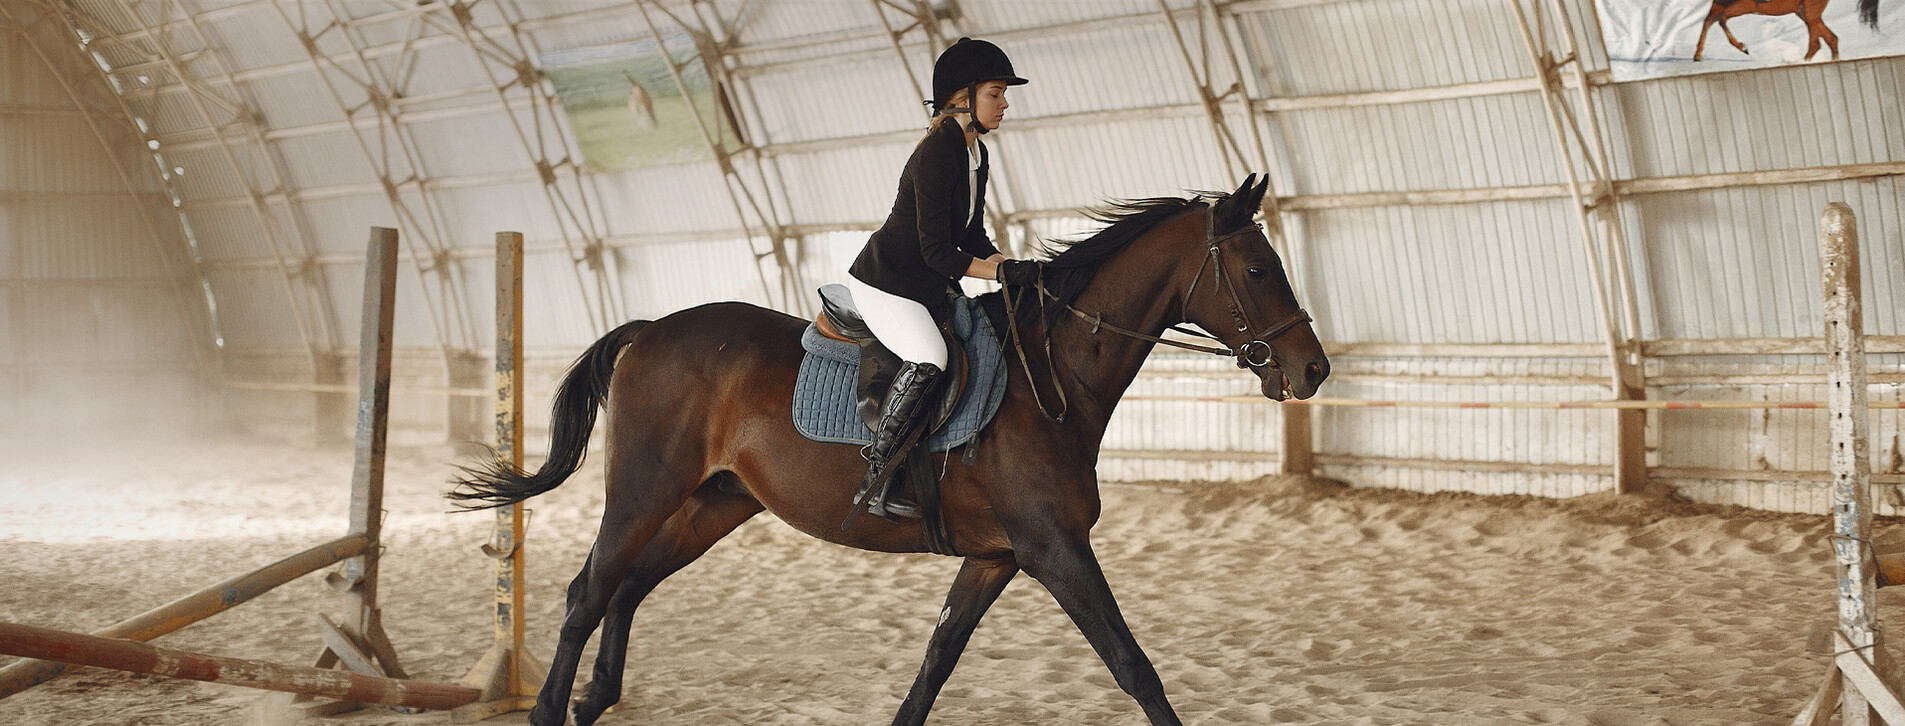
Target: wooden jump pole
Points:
x,y
194,607
508,676
126,655
1856,681
359,642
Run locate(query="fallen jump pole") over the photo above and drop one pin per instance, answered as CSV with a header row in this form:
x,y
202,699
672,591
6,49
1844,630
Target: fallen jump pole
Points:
x,y
192,608
126,655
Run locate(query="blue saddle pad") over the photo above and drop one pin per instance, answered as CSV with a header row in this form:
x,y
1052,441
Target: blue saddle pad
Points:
x,y
824,406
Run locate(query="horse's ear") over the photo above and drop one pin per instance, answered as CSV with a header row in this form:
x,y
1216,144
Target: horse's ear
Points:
x,y
1263,188
1235,210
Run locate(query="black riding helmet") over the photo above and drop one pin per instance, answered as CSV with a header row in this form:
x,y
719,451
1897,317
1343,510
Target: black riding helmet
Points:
x,y
967,64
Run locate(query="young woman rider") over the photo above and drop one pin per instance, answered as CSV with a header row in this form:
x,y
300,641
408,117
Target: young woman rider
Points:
x,y
903,279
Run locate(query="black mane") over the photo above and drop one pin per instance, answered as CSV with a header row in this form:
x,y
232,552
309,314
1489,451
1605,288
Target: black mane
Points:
x,y
1070,264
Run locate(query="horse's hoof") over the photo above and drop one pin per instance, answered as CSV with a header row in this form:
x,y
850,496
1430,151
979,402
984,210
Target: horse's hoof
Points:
x,y
540,716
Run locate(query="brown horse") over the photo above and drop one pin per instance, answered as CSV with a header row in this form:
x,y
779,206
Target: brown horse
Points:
x,y
699,405
1812,12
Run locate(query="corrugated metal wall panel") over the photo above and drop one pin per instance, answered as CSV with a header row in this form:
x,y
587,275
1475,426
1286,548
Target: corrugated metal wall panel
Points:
x,y
666,200
126,324
297,99
848,186
341,225
37,155
1440,274
227,233
83,238
24,82
1384,45
1135,65
259,38
769,22
1777,118
661,278
811,100
1117,158
336,158
1744,263
253,311
1462,143
444,146
980,17
207,173
413,324
474,215
559,317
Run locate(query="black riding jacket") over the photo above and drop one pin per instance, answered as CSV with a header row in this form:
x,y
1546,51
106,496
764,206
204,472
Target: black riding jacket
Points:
x,y
932,234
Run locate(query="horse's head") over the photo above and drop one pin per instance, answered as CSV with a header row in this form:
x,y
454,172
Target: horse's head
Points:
x,y
1241,294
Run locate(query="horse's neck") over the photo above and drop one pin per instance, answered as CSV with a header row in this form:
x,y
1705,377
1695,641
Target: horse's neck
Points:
x,y
1130,291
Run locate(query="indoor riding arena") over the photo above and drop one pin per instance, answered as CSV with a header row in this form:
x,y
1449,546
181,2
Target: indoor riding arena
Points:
x,y
1342,362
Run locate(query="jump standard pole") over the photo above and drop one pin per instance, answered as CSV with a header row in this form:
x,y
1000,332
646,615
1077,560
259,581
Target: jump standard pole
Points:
x,y
1858,679
358,642
507,676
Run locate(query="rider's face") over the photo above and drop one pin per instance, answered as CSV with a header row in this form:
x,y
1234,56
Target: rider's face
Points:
x,y
989,110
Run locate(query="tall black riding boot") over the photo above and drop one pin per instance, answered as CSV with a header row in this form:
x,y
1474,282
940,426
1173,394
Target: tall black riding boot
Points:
x,y
901,411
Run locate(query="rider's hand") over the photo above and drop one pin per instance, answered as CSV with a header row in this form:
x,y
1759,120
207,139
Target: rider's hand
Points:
x,y
1018,272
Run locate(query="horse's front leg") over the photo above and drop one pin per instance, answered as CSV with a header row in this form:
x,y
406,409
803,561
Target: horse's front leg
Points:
x,y
1070,571
1700,46
973,592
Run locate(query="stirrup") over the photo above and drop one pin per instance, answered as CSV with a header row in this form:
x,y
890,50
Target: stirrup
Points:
x,y
890,506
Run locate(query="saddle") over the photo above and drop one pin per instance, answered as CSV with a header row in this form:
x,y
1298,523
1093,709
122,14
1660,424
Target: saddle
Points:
x,y
840,320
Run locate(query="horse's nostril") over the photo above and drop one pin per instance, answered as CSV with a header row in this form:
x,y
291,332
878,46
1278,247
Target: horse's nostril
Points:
x,y
1315,371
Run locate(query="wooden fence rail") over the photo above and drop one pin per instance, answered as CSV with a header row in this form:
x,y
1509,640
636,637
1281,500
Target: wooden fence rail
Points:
x,y
127,655
194,607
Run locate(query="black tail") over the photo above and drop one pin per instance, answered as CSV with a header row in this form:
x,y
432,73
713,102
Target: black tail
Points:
x,y
1869,13
580,396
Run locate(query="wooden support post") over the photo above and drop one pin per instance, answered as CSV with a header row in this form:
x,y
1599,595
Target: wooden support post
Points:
x,y
192,608
1855,669
508,676
1630,428
358,579
1299,453
126,655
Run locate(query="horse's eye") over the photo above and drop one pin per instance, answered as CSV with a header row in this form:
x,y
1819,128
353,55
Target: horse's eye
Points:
x,y
1256,273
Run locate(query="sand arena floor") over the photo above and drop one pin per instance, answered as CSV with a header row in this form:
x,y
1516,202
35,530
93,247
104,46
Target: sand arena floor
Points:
x,y
1276,601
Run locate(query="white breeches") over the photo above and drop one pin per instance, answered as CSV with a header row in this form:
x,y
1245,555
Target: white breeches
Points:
x,y
902,325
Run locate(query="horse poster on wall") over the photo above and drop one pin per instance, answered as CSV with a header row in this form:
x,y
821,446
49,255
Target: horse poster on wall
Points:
x,y
1660,38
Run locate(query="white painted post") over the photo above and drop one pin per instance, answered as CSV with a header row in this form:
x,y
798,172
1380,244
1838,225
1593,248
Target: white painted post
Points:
x,y
1851,472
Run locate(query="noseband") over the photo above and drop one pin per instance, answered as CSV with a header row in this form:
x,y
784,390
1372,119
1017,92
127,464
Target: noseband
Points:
x,y
1254,352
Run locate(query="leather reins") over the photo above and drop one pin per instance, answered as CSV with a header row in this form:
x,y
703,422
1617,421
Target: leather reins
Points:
x,y
1243,352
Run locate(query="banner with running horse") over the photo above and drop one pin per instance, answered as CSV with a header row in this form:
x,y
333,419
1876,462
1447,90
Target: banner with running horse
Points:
x,y
1659,38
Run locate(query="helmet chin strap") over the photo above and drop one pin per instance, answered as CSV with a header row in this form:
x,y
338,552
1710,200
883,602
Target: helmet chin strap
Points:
x,y
972,103
971,109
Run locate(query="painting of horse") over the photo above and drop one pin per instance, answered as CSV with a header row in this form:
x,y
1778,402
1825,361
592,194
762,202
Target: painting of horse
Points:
x,y
1811,12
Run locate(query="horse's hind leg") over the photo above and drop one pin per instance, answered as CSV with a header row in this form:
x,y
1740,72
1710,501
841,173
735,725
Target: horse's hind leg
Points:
x,y
978,585
637,506
1730,39
1816,27
707,517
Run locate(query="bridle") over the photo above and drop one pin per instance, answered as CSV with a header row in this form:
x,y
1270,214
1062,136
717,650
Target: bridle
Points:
x,y
1254,352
